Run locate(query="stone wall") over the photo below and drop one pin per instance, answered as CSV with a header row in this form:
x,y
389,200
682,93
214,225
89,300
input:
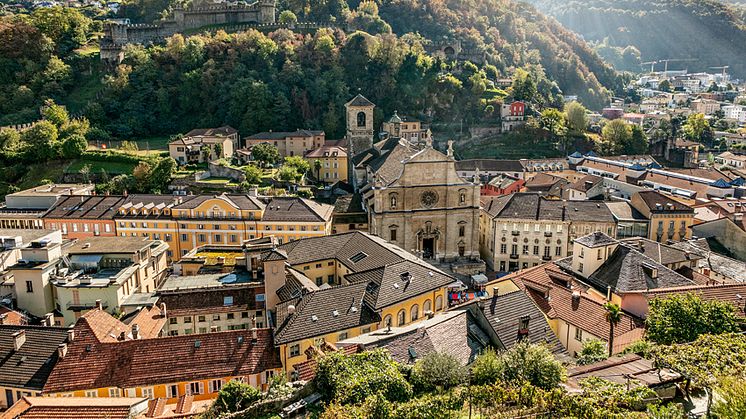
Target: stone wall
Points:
x,y
217,170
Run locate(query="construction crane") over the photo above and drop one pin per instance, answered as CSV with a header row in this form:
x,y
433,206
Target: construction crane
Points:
x,y
665,68
724,68
652,65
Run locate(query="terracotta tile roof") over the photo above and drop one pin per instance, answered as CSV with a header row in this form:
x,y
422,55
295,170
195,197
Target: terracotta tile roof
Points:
x,y
585,183
75,408
652,199
150,321
90,364
12,317
30,366
102,325
321,312
732,293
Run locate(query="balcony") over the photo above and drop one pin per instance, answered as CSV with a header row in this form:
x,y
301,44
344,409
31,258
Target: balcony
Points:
x,y
514,255
546,258
515,232
547,234
78,306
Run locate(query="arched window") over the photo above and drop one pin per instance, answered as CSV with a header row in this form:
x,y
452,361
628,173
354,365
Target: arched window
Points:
x,y
439,303
387,321
462,196
401,318
361,119
427,307
414,313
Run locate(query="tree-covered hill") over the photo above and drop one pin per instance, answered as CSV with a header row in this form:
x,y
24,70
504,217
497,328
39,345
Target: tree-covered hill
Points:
x,y
710,31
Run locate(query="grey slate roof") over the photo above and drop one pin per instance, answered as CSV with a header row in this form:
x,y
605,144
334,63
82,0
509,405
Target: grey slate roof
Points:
x,y
629,270
360,100
387,285
660,252
504,314
296,209
223,131
723,265
595,240
281,135
532,206
489,165
322,312
30,366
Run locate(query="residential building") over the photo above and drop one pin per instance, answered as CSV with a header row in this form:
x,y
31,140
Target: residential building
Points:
x,y
416,200
109,359
736,161
549,185
525,229
629,221
44,197
333,161
705,106
502,185
734,112
288,144
328,289
202,145
106,271
216,302
407,128
573,315
188,222
32,276
82,216
349,214
668,219
512,115
587,187
726,232
29,353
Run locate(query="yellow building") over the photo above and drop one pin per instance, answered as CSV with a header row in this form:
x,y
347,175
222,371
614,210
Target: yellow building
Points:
x,y
213,143
289,144
669,218
329,289
106,359
333,161
187,222
407,128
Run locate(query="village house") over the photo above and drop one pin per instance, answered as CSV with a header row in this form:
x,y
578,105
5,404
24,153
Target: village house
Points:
x,y
668,219
203,145
107,358
406,128
512,115
288,144
29,353
333,159
736,161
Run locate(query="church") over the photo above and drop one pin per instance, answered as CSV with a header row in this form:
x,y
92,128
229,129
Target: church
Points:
x,y
412,193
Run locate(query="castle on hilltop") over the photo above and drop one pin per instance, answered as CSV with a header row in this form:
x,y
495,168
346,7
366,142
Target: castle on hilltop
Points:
x,y
199,14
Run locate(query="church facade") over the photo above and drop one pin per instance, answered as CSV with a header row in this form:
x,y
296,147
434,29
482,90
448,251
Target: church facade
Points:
x,y
412,193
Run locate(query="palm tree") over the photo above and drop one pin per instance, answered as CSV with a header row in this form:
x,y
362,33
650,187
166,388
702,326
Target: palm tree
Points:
x,y
613,316
317,166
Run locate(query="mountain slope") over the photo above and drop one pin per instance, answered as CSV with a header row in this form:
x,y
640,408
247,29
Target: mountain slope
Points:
x,y
709,31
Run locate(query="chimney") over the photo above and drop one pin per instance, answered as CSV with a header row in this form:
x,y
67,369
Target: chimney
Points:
x,y
49,319
3,318
19,338
99,305
70,335
495,291
61,350
135,331
641,244
163,309
254,336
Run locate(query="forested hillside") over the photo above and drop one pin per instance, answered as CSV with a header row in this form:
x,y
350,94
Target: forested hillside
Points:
x,y
710,31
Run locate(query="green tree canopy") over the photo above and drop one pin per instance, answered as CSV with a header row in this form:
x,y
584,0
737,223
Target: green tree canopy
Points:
x,y
74,146
54,113
684,317
524,86
235,396
615,135
593,350
298,163
253,174
523,363
287,17
265,153
577,120
438,371
697,128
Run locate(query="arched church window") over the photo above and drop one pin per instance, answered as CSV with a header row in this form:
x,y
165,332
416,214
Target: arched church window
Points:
x,y
361,119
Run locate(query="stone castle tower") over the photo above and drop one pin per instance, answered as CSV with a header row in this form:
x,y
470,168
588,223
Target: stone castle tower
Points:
x,y
359,116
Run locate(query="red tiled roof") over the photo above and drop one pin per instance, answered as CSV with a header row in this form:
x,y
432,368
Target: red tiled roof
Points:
x,y
72,408
732,293
151,321
12,317
102,325
91,363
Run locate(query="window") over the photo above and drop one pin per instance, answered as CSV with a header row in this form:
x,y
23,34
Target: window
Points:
x,y
187,319
184,237
91,393
147,392
514,249
401,318
173,320
230,316
201,319
580,267
342,336
172,391
294,350
361,119
319,280
525,249
598,254
202,238
392,234
536,250
439,303
216,317
131,392
114,392
173,333
215,385
330,279
503,248
546,251
578,335
414,313
218,238
558,251
228,300
195,388
387,321
461,231
29,286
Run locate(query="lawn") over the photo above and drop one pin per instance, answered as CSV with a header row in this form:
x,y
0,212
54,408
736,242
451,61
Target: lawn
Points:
x,y
149,145
112,168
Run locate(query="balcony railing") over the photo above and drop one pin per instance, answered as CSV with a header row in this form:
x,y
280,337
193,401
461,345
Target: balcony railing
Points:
x,y
514,255
547,234
545,257
515,232
81,305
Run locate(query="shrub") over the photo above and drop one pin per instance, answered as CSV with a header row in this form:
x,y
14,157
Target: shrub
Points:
x,y
351,379
594,350
523,363
486,368
236,396
437,371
